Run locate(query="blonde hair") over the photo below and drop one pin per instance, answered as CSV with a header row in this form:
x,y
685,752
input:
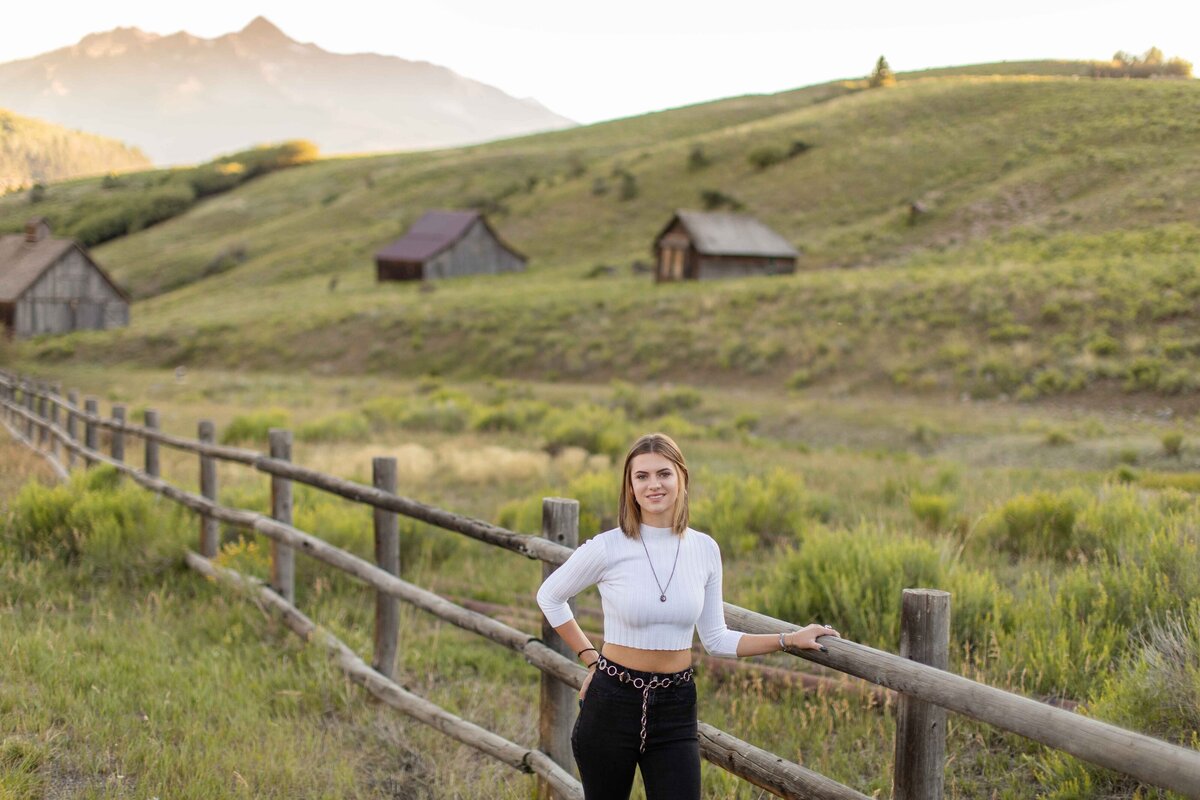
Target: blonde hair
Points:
x,y
628,511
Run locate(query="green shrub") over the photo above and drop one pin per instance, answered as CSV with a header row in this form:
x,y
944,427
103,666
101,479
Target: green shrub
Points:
x,y
1050,381
344,426
766,156
1038,524
597,493
101,226
1172,444
441,413
800,379
932,510
1126,474
697,158
517,416
713,199
742,513
671,401
107,530
1144,374
385,412
594,428
1104,345
255,426
628,187
1056,437
852,580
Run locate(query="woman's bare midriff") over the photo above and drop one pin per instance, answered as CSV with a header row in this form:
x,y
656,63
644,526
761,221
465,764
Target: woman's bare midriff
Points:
x,y
648,660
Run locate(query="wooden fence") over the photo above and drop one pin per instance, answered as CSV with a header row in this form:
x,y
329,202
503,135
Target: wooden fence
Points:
x,y
40,416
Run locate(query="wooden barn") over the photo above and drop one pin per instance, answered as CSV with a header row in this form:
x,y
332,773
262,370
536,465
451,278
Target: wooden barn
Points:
x,y
52,285
446,244
699,245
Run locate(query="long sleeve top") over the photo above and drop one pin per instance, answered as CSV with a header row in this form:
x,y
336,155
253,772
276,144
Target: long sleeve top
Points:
x,y
634,614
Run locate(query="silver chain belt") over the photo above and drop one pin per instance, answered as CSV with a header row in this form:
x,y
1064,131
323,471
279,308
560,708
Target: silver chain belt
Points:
x,y
655,681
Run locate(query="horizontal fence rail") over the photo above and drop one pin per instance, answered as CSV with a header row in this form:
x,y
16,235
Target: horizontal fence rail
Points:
x,y
1149,760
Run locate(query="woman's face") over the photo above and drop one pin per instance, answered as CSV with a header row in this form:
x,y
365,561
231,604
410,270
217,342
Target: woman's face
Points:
x,y
655,487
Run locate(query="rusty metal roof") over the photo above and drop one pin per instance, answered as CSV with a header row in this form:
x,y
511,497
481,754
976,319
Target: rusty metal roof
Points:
x,y
429,235
717,233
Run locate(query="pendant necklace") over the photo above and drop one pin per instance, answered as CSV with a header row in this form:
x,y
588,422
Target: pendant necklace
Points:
x,y
662,590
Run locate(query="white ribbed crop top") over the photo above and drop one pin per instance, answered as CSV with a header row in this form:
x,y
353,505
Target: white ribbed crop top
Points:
x,y
633,614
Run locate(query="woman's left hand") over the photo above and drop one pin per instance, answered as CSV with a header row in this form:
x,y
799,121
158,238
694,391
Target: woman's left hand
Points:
x,y
806,637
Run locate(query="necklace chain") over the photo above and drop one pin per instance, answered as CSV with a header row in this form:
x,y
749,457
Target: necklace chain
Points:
x,y
662,590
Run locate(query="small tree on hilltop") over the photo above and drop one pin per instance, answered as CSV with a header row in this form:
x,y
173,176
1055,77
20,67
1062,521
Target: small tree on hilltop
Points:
x,y
883,75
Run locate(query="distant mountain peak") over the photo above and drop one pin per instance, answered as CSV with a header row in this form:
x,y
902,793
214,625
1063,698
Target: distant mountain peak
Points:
x,y
114,42
260,29
185,99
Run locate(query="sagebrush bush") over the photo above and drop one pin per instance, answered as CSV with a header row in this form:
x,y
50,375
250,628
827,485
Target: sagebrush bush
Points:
x,y
1172,444
91,523
255,426
742,513
342,426
1039,524
597,493
852,580
515,416
766,156
932,510
593,427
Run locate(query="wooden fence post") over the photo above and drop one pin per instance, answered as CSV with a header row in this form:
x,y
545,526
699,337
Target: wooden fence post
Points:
x,y
91,407
559,702
210,531
283,558
152,465
43,416
387,557
56,395
118,432
72,430
27,388
920,765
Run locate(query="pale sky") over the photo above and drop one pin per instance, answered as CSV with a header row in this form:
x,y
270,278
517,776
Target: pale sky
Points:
x,y
592,61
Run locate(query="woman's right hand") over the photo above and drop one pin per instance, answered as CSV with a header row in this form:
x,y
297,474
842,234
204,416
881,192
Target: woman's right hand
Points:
x,y
587,682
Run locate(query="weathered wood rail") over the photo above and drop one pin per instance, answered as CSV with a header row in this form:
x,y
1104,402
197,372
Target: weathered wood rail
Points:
x,y
32,411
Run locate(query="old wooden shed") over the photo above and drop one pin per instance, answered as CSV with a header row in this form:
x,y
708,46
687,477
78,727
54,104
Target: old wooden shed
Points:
x,y
51,285
445,244
699,245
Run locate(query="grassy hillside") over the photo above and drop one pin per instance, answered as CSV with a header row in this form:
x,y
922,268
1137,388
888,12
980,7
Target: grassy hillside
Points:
x,y
33,151
1053,256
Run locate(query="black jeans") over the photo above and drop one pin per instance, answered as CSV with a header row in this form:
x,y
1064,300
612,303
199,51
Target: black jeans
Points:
x,y
608,735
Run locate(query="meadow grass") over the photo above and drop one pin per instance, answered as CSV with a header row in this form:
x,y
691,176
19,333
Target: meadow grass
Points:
x,y
1059,572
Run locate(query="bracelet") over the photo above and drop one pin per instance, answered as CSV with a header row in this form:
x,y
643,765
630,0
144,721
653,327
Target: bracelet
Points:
x,y
782,643
584,650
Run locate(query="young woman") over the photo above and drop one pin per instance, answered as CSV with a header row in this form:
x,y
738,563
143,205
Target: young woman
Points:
x,y
658,580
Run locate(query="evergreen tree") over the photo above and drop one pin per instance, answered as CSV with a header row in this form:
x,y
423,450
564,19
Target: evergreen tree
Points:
x,y
883,75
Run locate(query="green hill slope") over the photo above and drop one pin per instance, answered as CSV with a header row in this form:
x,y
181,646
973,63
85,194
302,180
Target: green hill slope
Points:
x,y
983,154
1039,190
32,151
